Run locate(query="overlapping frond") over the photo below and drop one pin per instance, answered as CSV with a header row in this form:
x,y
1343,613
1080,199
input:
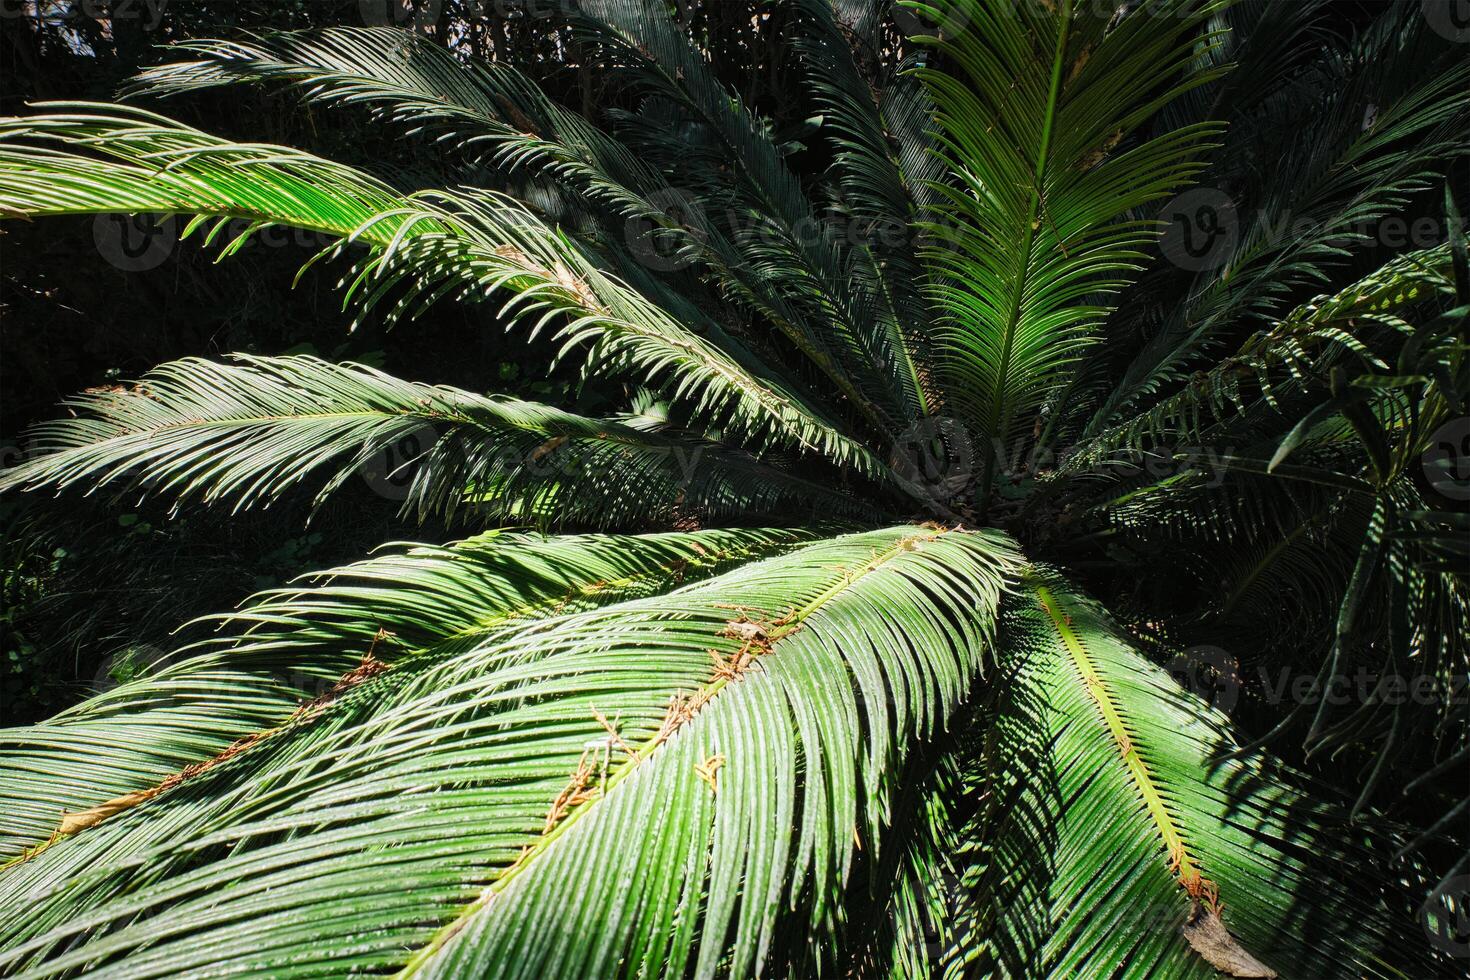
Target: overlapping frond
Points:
x,y
421,249
1036,230
774,752
1307,180
477,109
783,239
653,785
281,659
1364,321
1117,846
492,112
872,192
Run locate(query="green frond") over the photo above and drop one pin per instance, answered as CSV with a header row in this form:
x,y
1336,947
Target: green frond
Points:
x,y
250,431
1036,230
494,111
1119,847
480,110
289,647
609,790
421,249
811,743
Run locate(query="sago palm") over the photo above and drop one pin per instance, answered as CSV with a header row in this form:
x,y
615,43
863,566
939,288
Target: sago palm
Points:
x,y
803,684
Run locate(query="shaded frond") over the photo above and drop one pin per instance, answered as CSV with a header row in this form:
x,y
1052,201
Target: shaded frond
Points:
x,y
1369,127
783,239
1364,322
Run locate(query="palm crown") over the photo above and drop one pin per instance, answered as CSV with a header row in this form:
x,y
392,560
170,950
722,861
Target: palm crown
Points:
x,y
772,706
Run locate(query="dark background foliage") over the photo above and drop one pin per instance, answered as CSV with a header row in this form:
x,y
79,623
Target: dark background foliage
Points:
x,y
82,605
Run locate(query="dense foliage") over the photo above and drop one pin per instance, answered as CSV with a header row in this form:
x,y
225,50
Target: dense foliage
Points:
x,y
771,649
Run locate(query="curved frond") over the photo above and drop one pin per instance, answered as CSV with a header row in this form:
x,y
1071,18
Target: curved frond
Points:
x,y
1119,847
652,786
783,239
469,245
475,107
251,430
283,658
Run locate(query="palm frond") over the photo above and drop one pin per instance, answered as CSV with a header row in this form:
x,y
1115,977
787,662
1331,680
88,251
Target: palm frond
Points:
x,y
250,431
1119,847
597,764
873,192
1365,321
785,241
494,112
468,245
1384,124
1035,231
281,660
482,111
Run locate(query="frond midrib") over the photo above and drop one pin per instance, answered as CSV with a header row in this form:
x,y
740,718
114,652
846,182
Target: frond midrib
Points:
x,y
784,628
